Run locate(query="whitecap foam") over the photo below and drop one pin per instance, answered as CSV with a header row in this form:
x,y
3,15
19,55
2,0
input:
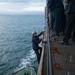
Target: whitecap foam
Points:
x,y
32,54
24,62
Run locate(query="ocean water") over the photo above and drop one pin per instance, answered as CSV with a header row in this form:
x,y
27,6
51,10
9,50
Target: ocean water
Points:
x,y
15,41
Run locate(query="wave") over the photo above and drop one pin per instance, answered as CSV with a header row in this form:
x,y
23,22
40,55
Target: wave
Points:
x,y
30,57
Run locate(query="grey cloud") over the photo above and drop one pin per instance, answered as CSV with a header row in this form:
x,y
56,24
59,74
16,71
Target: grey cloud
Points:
x,y
22,0
13,0
19,6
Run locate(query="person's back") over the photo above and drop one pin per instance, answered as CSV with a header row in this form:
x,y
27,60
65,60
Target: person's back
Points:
x,y
35,42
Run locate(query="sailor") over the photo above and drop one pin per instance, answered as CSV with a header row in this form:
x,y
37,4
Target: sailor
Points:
x,y
35,44
57,8
70,23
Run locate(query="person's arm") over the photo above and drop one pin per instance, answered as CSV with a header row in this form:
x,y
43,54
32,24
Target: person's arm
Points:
x,y
40,34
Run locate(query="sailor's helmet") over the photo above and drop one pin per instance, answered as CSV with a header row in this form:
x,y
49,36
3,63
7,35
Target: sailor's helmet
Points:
x,y
34,32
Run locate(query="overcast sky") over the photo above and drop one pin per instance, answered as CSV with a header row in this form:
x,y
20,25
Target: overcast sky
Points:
x,y
21,6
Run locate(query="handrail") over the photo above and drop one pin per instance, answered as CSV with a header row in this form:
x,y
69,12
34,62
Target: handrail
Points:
x,y
41,62
49,55
49,63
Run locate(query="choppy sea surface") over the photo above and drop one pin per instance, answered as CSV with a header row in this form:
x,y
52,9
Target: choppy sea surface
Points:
x,y
15,41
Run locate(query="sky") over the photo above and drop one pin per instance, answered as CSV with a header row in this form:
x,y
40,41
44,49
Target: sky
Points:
x,y
22,6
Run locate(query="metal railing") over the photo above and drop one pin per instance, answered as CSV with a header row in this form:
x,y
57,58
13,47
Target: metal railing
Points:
x,y
49,54
41,63
48,61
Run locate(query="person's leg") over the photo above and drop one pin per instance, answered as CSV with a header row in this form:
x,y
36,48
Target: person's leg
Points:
x,y
63,25
51,19
55,19
58,20
69,29
73,37
40,50
37,54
